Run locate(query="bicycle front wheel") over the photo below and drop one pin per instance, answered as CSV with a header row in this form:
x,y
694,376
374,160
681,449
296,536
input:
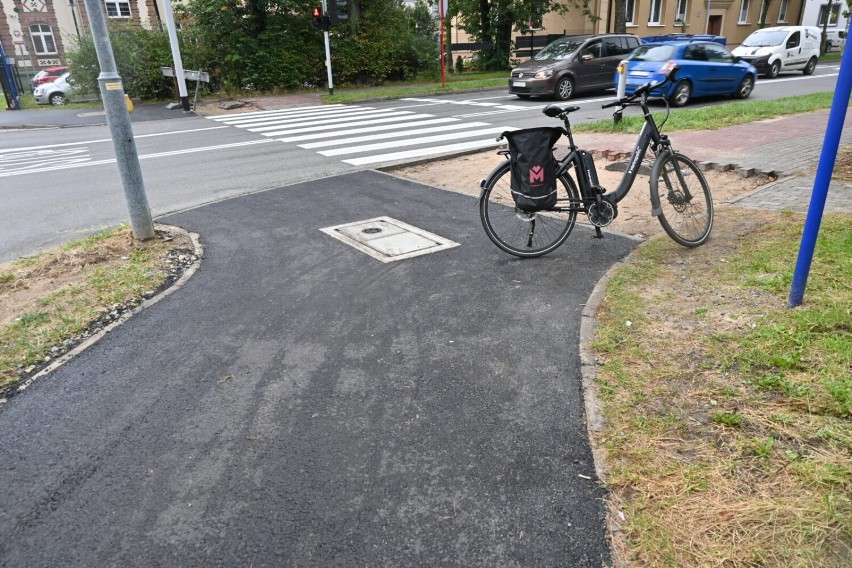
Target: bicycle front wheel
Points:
x,y
682,196
521,233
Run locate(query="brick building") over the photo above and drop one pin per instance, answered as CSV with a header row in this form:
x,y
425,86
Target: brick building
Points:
x,y
37,33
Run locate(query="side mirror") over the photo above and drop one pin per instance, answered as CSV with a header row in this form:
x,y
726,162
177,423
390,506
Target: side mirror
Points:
x,y
586,57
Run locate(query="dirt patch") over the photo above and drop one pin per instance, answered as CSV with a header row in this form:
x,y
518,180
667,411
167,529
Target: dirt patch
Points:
x,y
462,174
28,282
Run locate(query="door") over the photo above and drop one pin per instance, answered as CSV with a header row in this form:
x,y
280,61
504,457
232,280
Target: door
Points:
x,y
714,25
726,76
591,68
793,58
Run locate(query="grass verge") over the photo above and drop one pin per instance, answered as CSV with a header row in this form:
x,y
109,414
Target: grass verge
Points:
x,y
455,83
717,116
729,416
52,301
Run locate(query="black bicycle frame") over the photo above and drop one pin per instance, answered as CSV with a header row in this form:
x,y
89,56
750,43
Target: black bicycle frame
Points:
x,y
649,133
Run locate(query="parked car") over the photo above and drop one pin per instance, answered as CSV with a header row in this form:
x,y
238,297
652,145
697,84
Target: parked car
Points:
x,y
721,40
835,39
572,64
704,68
784,48
46,76
57,92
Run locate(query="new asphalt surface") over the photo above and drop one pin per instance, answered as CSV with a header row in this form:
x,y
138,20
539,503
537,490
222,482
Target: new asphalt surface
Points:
x,y
299,403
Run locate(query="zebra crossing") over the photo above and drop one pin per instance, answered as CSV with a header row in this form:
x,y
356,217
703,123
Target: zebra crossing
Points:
x,y
363,135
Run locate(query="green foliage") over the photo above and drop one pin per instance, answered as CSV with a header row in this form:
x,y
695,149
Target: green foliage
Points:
x,y
139,53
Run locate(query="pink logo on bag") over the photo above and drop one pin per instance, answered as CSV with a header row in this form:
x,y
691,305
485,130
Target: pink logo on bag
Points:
x,y
536,174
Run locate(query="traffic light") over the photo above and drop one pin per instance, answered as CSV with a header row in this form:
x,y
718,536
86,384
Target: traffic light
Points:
x,y
337,12
316,13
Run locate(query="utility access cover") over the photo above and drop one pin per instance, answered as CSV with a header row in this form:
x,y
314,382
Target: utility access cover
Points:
x,y
388,239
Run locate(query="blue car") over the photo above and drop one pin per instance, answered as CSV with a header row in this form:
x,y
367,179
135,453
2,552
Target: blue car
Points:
x,y
705,68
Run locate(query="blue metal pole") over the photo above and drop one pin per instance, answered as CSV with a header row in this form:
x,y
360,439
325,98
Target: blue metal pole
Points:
x,y
836,118
5,69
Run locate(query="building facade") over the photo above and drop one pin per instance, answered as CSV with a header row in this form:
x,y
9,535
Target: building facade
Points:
x,y
38,33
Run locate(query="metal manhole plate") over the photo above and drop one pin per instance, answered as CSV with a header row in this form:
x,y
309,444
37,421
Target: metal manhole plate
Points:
x,y
387,239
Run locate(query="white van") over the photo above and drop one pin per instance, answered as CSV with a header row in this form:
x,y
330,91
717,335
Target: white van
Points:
x,y
835,38
785,48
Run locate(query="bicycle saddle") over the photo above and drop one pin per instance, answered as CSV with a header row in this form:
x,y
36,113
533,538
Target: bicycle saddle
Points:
x,y
554,110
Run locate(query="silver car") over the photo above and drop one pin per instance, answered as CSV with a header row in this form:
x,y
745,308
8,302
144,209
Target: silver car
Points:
x,y
57,92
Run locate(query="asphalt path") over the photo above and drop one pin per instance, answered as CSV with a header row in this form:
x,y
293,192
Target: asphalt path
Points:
x,y
299,403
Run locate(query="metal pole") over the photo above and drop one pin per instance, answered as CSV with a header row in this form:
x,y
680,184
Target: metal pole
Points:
x,y
173,41
836,118
327,47
707,19
441,15
118,119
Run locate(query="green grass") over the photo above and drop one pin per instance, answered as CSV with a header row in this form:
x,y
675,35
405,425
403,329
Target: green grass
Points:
x,y
115,272
474,80
715,117
729,415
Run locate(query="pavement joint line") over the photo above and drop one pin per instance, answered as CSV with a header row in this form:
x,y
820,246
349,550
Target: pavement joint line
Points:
x,y
146,303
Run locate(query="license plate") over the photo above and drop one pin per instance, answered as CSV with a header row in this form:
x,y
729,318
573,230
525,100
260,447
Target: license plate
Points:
x,y
640,73
519,83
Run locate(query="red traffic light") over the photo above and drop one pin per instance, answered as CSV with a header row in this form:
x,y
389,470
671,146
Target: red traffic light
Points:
x,y
316,12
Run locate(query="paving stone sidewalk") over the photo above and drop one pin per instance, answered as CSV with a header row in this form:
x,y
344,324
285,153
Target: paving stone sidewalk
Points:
x,y
787,147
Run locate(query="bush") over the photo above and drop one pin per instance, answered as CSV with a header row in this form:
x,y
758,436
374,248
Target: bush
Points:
x,y
139,53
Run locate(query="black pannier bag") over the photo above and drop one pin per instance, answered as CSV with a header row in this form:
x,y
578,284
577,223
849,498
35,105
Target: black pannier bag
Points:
x,y
533,167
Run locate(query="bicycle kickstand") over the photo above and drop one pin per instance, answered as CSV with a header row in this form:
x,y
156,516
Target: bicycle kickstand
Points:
x,y
598,233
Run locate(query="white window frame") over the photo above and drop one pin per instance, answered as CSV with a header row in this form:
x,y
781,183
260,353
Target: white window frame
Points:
x,y
681,15
121,8
39,34
782,12
629,12
743,17
656,6
829,9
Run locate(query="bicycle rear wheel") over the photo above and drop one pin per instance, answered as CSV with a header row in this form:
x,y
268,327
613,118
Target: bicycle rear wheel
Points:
x,y
686,206
526,234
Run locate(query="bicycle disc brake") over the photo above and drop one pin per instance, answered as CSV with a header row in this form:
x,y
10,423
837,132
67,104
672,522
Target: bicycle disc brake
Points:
x,y
601,214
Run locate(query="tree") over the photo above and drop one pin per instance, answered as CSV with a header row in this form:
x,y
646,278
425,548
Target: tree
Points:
x,y
620,24
764,8
491,22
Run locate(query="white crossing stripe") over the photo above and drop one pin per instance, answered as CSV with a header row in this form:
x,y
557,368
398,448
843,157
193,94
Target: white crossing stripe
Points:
x,y
347,124
419,152
413,141
265,112
386,135
380,128
338,119
274,119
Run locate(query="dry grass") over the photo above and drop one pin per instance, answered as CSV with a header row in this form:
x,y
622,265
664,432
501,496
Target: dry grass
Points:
x,y
49,301
716,456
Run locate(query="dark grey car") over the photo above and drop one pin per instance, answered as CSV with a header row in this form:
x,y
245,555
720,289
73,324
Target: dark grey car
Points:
x,y
572,64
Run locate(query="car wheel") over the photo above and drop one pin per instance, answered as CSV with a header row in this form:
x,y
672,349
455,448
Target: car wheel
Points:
x,y
564,88
810,67
745,88
680,95
57,99
774,70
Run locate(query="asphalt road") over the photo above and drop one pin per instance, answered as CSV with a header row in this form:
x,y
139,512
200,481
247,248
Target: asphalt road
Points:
x,y
424,412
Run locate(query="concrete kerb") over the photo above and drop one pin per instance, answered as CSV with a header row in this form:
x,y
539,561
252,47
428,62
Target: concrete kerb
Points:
x,y
177,285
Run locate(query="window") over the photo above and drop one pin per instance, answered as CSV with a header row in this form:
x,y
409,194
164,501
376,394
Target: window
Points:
x,y
42,38
594,49
716,52
628,13
656,8
782,13
794,41
680,11
832,19
118,8
743,12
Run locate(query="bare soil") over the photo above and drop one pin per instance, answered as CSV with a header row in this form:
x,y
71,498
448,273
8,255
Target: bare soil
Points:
x,y
462,174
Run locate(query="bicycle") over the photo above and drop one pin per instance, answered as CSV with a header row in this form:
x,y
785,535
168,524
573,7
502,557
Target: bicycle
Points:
x,y
685,210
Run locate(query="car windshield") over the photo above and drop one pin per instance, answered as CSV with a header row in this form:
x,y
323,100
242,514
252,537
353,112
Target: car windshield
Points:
x,y
764,38
652,53
558,50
